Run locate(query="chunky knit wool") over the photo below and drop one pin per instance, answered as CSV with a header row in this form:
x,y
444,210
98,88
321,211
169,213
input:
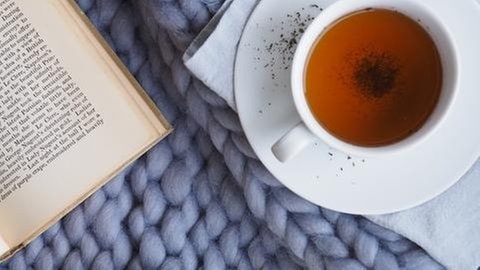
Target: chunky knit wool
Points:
x,y
200,198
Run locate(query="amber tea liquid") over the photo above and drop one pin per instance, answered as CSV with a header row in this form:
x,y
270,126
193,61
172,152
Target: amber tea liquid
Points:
x,y
373,78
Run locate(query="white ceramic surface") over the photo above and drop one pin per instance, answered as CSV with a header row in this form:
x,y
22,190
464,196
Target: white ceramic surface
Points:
x,y
329,177
289,144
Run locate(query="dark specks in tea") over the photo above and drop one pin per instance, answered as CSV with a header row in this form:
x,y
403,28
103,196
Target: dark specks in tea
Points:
x,y
376,74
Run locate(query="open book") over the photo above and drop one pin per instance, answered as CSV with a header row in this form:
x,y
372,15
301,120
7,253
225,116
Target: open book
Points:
x,y
71,116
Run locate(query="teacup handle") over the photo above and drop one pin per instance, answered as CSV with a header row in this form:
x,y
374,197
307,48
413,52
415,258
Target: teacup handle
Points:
x,y
293,142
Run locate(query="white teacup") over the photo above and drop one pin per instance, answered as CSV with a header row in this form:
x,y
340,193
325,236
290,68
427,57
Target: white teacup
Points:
x,y
309,129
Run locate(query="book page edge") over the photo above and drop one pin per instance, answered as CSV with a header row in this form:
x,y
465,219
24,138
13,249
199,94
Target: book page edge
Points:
x,y
7,252
74,9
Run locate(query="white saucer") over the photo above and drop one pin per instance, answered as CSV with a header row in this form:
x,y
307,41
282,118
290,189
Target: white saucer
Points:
x,y
330,178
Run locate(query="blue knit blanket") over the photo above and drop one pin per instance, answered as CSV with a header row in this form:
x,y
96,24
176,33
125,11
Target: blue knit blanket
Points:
x,y
200,198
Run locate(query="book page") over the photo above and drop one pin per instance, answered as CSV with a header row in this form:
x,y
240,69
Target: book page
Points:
x,y
67,122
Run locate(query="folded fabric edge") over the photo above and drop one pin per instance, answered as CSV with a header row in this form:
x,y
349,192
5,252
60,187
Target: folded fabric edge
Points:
x,y
407,234
211,57
206,32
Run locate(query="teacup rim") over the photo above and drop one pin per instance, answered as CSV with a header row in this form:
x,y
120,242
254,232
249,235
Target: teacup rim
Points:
x,y
310,37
